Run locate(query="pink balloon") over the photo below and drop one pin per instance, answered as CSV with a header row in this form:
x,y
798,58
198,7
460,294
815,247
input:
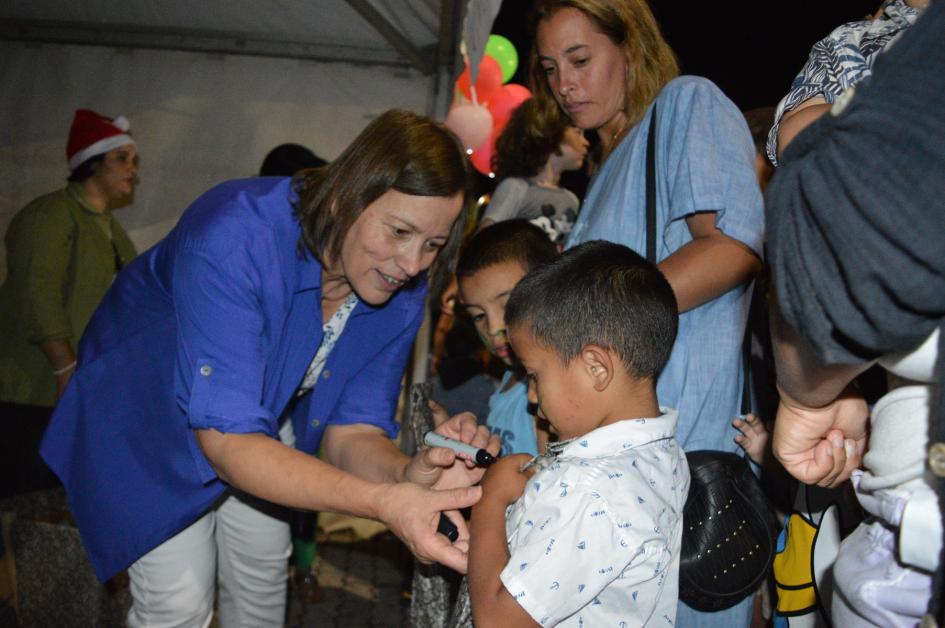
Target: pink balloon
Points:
x,y
471,123
482,157
488,81
506,101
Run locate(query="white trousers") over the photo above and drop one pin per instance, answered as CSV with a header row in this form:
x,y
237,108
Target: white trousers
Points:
x,y
237,545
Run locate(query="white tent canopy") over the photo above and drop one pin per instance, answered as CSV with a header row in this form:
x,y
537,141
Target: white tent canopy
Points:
x,y
209,87
416,33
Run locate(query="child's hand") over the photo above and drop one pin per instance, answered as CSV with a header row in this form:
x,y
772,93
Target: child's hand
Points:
x,y
503,481
753,438
441,467
440,414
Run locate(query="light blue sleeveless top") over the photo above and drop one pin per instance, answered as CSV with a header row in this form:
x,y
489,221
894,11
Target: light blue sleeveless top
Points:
x,y
509,418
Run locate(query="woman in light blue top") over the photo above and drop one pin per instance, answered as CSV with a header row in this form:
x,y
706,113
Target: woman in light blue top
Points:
x,y
606,67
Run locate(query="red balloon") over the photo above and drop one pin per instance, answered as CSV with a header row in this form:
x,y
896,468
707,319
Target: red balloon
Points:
x,y
481,158
508,99
488,81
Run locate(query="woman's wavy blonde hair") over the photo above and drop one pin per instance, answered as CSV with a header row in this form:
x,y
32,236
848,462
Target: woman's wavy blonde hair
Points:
x,y
630,24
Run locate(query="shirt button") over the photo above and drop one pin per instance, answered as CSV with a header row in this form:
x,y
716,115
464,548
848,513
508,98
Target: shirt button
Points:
x,y
316,422
205,370
326,373
937,459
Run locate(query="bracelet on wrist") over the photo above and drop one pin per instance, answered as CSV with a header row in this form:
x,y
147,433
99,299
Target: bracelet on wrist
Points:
x,y
65,369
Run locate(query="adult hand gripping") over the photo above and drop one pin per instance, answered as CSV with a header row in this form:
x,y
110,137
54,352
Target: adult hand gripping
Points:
x,y
453,477
412,513
821,445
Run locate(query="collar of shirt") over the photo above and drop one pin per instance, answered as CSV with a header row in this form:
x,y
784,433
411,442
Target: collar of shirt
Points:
x,y
618,437
310,272
897,15
74,189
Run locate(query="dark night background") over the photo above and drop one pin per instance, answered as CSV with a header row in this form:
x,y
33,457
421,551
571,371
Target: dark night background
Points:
x,y
751,50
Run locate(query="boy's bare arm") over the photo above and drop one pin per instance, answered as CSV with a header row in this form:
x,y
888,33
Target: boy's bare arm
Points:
x,y
492,604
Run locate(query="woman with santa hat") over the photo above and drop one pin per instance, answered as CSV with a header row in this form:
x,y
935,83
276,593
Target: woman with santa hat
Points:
x,y
63,251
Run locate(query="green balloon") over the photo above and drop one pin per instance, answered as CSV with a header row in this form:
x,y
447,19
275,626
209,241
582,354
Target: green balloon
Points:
x,y
502,50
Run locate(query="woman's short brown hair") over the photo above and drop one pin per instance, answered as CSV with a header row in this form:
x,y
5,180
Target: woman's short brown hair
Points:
x,y
527,141
400,150
630,25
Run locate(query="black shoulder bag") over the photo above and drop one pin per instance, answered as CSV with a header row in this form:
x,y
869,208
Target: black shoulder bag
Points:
x,y
729,526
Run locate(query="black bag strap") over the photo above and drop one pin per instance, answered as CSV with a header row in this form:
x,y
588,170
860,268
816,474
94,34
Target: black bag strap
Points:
x,y
651,189
745,406
746,367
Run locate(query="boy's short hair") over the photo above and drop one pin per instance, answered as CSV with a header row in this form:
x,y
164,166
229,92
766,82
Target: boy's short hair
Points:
x,y
604,294
509,240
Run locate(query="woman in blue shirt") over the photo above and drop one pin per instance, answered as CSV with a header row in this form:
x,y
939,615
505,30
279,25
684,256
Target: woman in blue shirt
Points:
x,y
276,310
606,67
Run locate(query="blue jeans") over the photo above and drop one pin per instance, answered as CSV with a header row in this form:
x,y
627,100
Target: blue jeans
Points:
x,y
738,616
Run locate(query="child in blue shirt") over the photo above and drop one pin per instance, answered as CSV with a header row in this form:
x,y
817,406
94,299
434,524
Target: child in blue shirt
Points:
x,y
590,533
491,263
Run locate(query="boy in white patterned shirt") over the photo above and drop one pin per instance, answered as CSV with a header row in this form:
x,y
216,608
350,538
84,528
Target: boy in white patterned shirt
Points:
x,y
590,533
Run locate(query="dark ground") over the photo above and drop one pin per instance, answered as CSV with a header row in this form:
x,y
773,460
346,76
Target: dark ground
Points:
x,y
363,583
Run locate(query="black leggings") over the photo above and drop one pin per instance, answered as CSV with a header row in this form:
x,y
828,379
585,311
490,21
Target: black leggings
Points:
x,y
21,431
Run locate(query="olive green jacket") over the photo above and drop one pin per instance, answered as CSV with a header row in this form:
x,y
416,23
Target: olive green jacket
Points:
x,y
60,262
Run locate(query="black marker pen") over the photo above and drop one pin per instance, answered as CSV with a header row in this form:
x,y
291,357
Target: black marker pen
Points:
x,y
481,456
447,528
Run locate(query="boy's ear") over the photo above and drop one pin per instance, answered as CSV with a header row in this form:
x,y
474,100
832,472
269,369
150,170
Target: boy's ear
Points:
x,y
599,364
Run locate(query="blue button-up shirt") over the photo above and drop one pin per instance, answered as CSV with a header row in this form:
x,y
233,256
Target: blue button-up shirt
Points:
x,y
213,328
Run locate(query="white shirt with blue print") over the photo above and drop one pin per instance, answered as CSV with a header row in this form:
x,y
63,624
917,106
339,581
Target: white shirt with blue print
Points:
x,y
595,538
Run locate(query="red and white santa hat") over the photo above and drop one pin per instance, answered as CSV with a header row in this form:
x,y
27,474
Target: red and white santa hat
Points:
x,y
93,134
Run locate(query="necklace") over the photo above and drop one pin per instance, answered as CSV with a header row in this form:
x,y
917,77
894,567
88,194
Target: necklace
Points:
x,y
618,132
613,138
552,450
